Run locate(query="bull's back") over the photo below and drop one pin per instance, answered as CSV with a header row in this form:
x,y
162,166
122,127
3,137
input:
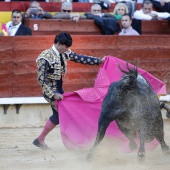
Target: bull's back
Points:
x,y
143,102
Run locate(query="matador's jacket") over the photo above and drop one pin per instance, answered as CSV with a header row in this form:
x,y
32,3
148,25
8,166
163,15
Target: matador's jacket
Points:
x,y
52,65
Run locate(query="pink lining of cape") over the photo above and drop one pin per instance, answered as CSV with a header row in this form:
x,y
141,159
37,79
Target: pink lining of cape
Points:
x,y
79,111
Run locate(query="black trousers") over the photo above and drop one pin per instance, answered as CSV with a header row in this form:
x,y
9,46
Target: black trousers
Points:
x,y
54,118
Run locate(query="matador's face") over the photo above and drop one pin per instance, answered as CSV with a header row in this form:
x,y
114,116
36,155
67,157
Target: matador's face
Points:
x,y
61,47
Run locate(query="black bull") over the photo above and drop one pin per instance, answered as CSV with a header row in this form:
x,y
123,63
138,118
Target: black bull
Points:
x,y
135,107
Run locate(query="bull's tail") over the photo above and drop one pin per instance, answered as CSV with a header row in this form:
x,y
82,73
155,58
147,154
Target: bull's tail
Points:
x,y
128,80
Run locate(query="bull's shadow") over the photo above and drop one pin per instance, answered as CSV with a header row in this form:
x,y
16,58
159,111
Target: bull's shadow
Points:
x,y
135,107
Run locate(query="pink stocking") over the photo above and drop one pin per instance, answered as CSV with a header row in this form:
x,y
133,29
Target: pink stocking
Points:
x,y
47,128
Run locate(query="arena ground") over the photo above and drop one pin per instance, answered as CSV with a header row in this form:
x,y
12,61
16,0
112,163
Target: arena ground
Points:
x,y
17,152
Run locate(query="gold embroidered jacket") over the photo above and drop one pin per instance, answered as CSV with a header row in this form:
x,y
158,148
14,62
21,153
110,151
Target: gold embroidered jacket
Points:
x,y
51,67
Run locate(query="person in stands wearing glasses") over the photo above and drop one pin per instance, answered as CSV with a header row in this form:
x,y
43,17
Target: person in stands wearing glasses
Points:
x,y
35,11
96,10
15,27
66,12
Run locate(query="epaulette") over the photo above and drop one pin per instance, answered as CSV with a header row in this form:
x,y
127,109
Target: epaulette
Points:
x,y
47,55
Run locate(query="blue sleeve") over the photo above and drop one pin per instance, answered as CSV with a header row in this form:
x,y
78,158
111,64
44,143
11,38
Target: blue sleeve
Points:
x,y
84,59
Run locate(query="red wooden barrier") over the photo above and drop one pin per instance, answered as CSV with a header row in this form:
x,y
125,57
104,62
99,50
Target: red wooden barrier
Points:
x,y
18,71
55,26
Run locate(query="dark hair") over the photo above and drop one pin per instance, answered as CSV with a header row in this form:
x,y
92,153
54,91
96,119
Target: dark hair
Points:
x,y
16,11
146,2
63,38
127,14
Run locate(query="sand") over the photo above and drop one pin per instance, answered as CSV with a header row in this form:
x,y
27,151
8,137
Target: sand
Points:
x,y
18,153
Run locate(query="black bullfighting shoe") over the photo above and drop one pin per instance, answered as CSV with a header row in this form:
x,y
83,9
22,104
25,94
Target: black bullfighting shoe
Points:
x,y
38,144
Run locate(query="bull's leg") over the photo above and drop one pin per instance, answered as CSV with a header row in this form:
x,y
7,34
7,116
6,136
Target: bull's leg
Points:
x,y
104,121
141,152
101,132
130,134
103,125
164,146
142,135
166,107
159,134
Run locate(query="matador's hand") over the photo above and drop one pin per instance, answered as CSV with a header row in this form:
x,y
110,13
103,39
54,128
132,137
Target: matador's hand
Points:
x,y
68,52
58,96
102,60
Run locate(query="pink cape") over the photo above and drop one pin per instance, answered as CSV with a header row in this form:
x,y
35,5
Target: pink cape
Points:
x,y
79,111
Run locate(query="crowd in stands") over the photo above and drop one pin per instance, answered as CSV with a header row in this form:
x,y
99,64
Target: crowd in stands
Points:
x,y
125,11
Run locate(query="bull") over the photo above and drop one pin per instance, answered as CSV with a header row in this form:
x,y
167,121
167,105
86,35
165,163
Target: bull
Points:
x,y
135,107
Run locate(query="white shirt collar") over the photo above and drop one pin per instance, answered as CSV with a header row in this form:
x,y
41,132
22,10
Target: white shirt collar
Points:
x,y
13,29
15,26
55,50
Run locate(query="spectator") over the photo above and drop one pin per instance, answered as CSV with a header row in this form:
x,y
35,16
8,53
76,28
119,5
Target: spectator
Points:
x,y
146,13
66,12
131,5
96,10
119,10
162,5
15,27
36,12
126,26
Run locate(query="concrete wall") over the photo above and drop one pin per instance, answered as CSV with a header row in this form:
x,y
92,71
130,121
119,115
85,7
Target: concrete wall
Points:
x,y
29,116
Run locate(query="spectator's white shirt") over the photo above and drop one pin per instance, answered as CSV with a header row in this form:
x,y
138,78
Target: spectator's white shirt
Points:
x,y
140,15
12,29
128,31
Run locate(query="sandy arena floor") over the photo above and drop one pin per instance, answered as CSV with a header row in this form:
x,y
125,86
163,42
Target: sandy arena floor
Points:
x,y
17,152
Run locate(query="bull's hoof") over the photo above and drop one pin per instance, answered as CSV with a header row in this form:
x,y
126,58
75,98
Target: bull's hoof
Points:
x,y
133,145
166,150
168,114
89,157
141,156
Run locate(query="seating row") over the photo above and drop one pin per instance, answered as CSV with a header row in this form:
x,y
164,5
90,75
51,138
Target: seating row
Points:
x,y
53,26
52,6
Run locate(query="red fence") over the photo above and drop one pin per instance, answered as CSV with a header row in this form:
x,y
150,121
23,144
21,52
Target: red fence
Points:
x,y
18,71
88,27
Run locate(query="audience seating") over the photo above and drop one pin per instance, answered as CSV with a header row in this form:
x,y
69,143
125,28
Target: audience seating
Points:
x,y
53,26
49,6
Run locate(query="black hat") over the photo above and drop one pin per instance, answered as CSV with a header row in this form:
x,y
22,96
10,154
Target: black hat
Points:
x,y
63,38
105,4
